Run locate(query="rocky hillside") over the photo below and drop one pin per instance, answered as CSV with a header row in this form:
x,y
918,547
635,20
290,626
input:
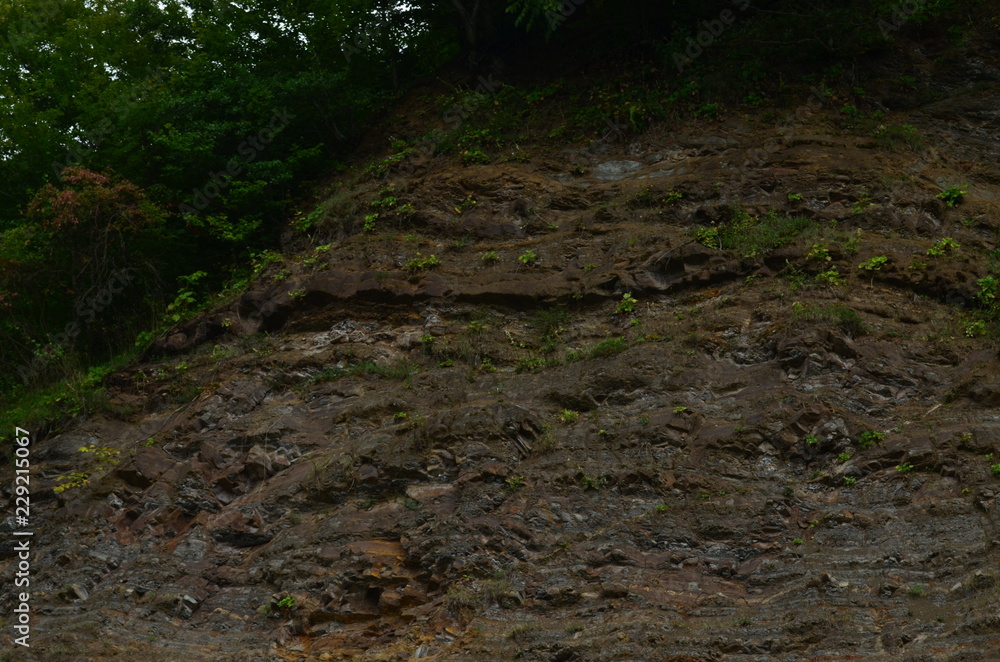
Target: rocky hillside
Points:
x,y
722,389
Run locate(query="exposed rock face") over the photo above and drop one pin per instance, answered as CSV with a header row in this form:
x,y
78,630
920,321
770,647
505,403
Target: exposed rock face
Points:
x,y
491,461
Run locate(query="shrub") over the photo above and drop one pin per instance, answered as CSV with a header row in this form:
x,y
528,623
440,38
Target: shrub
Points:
x,y
870,438
627,304
845,318
421,263
896,137
952,195
942,246
751,236
514,483
609,347
874,264
830,277
527,258
568,416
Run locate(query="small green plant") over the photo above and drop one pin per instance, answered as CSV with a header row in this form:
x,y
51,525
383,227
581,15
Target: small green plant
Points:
x,y
609,347
852,244
527,258
422,263
863,203
474,156
796,541
707,110
811,439
988,288
568,416
975,329
400,416
370,219
380,169
942,246
849,481
627,304
895,137
106,457
952,195
870,438
680,409
995,469
591,483
297,295
489,257
184,303
752,236
917,590
830,277
662,507
71,480
874,264
843,457
514,483
905,467
466,204
287,602
388,202
794,197
819,252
